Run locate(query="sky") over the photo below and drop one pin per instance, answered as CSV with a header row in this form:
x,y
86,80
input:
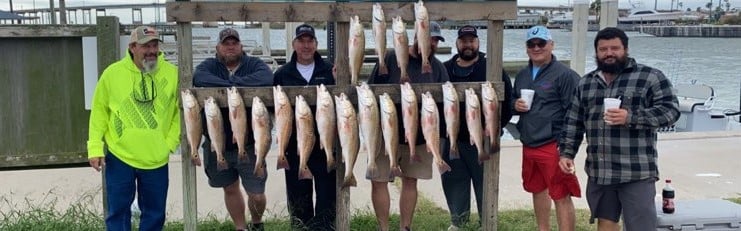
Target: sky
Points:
x,y
124,14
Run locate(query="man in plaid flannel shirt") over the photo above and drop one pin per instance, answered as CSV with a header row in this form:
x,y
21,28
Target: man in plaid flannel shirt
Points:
x,y
621,143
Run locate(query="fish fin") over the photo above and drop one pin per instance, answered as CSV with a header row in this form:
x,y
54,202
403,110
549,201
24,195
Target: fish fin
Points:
x,y
221,164
395,171
259,171
454,154
483,157
305,174
330,164
443,167
350,181
426,68
282,163
372,171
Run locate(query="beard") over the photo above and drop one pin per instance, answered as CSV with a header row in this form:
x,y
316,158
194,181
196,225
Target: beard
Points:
x,y
612,68
229,58
149,65
468,54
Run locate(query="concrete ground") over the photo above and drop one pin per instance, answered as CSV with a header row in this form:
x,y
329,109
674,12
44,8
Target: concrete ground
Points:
x,y
701,166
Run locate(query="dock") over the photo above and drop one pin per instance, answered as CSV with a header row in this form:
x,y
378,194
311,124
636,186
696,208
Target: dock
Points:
x,y
705,31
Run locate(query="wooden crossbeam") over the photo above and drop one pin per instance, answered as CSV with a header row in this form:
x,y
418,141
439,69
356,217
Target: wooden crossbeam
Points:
x,y
309,92
334,11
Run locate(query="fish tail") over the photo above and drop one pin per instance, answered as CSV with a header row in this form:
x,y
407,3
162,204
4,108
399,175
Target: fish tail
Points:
x,y
372,171
350,181
443,167
305,174
282,162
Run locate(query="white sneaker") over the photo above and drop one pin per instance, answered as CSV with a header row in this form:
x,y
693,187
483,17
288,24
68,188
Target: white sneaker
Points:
x,y
452,228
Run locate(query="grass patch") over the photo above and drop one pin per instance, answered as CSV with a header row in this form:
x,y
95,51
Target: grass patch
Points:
x,y
80,217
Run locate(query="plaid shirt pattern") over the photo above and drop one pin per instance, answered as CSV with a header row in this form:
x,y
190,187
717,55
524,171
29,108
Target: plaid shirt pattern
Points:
x,y
620,153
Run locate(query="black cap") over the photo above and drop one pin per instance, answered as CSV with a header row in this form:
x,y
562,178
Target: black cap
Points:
x,y
304,29
467,30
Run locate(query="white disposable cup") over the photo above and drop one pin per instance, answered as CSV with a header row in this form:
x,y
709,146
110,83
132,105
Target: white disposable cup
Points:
x,y
611,103
527,95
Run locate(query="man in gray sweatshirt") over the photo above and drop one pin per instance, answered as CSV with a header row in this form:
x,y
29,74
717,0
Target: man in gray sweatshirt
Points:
x,y
540,125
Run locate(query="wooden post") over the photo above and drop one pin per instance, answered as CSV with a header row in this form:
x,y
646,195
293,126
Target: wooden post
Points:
x,y
108,46
266,50
579,25
608,14
342,30
495,36
185,68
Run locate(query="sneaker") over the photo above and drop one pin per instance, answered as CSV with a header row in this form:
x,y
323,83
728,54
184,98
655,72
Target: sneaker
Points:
x,y
453,228
256,227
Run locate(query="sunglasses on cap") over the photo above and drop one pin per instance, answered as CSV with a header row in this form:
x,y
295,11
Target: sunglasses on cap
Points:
x,y
536,42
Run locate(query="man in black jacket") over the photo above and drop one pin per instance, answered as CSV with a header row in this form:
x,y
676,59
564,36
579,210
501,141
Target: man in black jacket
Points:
x,y
469,65
308,68
232,67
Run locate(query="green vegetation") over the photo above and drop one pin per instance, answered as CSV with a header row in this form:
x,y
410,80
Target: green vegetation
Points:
x,y
81,217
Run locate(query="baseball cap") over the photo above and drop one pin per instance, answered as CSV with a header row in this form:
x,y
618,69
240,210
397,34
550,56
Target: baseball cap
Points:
x,y
304,29
467,30
540,32
228,33
436,31
144,34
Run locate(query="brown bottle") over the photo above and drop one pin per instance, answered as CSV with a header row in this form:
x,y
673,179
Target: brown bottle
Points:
x,y
668,197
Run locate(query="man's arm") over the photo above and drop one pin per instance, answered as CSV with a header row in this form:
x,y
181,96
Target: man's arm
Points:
x,y
664,110
98,123
257,74
173,133
206,75
506,113
573,131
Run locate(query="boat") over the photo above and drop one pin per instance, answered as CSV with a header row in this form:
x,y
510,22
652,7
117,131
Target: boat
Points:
x,y
698,112
650,16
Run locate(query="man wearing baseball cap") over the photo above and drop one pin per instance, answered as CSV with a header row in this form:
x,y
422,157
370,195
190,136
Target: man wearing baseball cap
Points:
x,y
469,65
307,67
233,67
135,116
540,126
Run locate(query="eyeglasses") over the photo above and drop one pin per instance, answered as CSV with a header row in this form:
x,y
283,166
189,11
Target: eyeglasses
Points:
x,y
536,42
146,90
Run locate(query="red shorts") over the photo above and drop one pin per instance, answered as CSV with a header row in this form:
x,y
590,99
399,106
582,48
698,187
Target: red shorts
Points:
x,y
540,171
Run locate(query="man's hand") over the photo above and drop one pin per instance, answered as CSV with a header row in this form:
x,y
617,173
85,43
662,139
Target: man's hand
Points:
x,y
616,116
521,105
566,165
97,163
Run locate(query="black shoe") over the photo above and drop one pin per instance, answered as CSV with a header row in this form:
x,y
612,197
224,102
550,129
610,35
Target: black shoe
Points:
x,y
256,227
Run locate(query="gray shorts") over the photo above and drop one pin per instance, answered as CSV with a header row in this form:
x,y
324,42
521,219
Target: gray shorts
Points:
x,y
635,200
418,170
236,170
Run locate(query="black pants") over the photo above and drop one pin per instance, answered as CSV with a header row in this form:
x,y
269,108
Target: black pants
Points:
x,y
457,183
304,215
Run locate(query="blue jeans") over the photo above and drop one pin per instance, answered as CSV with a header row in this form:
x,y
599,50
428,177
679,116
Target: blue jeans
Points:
x,y
457,183
122,182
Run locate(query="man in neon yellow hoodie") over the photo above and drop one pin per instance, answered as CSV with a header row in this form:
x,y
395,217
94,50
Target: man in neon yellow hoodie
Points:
x,y
134,126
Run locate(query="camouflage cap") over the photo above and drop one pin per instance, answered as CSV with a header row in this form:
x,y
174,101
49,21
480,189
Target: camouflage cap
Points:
x,y
144,34
228,33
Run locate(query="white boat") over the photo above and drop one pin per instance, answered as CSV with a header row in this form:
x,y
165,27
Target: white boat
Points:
x,y
650,16
699,113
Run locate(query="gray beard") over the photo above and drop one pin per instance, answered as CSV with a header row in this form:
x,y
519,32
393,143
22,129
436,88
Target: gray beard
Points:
x,y
149,66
